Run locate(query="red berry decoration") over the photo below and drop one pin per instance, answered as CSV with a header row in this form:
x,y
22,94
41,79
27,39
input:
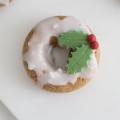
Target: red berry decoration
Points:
x,y
91,38
94,45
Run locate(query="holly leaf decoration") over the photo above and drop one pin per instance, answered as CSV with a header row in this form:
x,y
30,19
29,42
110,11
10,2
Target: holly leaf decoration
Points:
x,y
73,39
79,60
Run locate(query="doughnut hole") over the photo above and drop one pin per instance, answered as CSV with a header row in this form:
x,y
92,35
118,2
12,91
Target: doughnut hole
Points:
x,y
59,55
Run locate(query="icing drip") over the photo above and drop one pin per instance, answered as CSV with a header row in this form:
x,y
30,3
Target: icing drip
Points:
x,y
4,2
48,62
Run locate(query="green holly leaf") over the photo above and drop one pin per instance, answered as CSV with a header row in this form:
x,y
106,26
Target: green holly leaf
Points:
x,y
79,60
73,39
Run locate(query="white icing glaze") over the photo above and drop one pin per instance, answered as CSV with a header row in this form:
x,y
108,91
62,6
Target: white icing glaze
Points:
x,y
4,2
47,61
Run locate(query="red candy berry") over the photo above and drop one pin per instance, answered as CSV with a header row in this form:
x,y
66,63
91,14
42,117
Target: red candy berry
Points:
x,y
94,45
91,38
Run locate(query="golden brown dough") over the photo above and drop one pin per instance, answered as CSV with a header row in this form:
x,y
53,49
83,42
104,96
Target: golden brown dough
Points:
x,y
1,5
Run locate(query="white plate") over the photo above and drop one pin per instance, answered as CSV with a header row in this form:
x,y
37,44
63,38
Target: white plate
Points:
x,y
100,99
5,114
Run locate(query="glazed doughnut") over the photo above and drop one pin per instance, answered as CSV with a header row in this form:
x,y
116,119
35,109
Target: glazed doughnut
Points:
x,y
4,2
51,63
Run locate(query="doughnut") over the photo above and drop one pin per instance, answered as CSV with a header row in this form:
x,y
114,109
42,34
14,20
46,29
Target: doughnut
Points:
x,y
4,2
61,54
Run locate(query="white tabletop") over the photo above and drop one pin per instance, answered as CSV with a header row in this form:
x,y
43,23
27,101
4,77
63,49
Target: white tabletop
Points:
x,y
98,100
